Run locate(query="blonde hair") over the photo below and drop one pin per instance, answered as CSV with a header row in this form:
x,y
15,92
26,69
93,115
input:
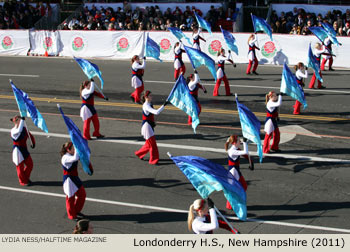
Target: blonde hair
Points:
x,y
197,205
268,96
318,45
250,37
231,140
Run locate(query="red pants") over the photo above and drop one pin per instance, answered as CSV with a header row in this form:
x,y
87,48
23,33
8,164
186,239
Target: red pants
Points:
x,y
86,129
24,169
177,72
275,142
297,106
244,185
313,79
256,63
189,122
137,93
151,147
324,61
75,205
217,85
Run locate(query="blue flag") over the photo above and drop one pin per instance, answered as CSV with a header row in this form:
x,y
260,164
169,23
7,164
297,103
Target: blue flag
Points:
x,y
312,62
27,108
198,58
80,144
260,24
250,125
319,32
329,28
152,49
91,70
202,23
207,177
179,34
181,98
230,40
290,86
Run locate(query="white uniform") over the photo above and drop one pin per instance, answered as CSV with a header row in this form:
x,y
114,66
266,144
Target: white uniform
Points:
x,y
135,81
327,41
235,153
195,36
251,43
220,72
17,156
146,130
69,187
192,84
85,112
200,227
300,75
318,52
177,50
269,127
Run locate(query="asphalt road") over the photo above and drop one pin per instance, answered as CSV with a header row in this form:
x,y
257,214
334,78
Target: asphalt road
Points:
x,y
305,189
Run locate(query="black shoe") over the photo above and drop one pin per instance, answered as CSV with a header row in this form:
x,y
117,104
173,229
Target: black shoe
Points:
x,y
100,136
132,99
255,73
322,87
331,69
230,94
80,214
276,151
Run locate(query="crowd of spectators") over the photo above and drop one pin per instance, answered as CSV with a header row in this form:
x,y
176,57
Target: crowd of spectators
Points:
x,y
298,21
150,18
20,14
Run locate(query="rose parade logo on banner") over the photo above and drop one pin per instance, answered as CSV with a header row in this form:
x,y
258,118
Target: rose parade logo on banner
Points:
x,y
7,42
47,43
214,47
269,49
78,43
123,45
165,46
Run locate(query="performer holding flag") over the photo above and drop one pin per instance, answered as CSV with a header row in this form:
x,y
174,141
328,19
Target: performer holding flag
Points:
x,y
147,129
179,65
300,75
136,79
20,155
328,44
252,55
220,73
88,112
196,37
194,85
319,51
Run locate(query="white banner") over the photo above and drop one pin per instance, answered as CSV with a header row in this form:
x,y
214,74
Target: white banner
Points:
x,y
41,41
14,42
312,8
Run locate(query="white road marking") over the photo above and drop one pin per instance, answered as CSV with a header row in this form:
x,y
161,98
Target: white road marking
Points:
x,y
197,148
261,87
173,210
290,132
21,75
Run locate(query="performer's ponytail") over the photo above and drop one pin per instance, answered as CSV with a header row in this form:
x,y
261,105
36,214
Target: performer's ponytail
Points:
x,y
190,217
133,59
65,148
230,140
144,95
268,96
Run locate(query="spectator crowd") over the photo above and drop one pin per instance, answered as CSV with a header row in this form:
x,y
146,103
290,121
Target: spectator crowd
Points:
x,y
298,21
149,18
20,14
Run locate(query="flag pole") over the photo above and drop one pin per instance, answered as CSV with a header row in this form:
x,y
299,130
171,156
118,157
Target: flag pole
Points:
x,y
228,223
99,90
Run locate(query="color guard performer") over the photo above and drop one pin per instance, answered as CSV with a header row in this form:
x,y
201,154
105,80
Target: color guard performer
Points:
x,y
136,80
20,155
194,85
300,75
196,37
319,50
179,65
88,112
252,55
220,73
328,44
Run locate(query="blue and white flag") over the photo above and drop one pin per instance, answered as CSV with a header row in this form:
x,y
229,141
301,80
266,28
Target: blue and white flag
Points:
x,y
290,86
230,40
179,34
27,108
260,24
202,23
198,58
250,125
207,177
80,143
319,32
312,62
90,69
181,98
329,28
152,48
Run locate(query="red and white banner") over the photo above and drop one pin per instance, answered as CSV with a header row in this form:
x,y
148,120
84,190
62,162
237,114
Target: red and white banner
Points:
x,y
44,41
14,42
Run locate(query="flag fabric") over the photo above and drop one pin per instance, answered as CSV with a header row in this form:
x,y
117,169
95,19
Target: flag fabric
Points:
x,y
80,144
312,62
329,28
250,125
181,98
260,24
230,40
179,34
152,49
198,58
202,23
27,108
319,32
290,86
207,177
90,69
